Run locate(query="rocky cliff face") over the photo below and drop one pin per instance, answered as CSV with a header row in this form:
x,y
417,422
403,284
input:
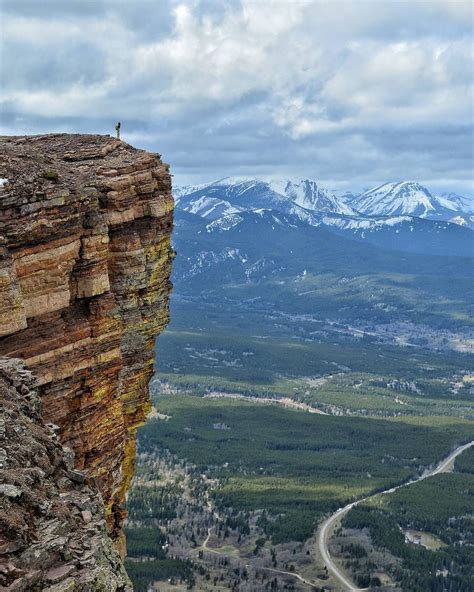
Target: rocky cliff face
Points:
x,y
53,531
85,260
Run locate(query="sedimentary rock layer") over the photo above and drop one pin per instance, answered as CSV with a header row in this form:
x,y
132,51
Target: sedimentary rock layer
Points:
x,y
53,532
85,261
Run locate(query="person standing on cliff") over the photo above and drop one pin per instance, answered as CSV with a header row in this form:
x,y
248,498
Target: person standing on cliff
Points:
x,y
117,129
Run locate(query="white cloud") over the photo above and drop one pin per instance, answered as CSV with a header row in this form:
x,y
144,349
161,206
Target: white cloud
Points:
x,y
308,79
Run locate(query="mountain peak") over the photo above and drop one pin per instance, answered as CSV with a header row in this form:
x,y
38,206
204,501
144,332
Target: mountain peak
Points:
x,y
229,195
307,194
399,198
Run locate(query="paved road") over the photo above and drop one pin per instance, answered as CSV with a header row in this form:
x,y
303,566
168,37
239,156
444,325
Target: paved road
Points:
x,y
322,539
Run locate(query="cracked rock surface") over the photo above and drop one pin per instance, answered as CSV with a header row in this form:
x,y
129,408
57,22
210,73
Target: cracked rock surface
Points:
x,y
53,534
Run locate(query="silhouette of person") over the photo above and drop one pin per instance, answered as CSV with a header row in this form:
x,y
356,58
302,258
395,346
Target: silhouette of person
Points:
x,y
117,129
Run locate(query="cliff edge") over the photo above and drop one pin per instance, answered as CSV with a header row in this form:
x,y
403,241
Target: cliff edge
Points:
x,y
85,262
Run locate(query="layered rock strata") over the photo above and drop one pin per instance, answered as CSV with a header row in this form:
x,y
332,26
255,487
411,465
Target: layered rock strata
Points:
x,y
53,534
85,261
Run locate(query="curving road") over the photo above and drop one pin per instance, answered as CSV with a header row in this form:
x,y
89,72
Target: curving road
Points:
x,y
323,535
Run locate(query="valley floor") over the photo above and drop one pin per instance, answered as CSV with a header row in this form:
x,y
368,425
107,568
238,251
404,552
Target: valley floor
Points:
x,y
226,523
264,426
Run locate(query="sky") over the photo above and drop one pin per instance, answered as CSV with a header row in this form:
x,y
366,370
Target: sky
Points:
x,y
351,93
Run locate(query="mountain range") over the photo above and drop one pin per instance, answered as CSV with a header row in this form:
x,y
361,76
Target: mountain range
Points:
x,y
295,248
403,216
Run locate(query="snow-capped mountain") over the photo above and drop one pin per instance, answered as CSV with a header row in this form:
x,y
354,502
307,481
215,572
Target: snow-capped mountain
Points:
x,y
457,209
456,202
308,195
306,198
398,216
233,194
395,199
409,198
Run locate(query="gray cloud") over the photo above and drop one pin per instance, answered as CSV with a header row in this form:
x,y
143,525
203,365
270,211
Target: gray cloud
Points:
x,y
350,92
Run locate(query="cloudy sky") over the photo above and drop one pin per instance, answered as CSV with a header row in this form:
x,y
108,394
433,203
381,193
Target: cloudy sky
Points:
x,y
352,93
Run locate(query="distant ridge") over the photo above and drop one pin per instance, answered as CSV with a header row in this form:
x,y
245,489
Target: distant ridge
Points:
x,y
409,198
402,216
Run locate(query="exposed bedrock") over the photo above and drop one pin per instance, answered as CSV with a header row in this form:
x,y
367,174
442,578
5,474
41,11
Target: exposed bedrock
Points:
x,y
85,262
53,534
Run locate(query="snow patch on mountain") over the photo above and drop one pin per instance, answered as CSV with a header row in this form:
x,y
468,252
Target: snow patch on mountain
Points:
x,y
403,198
207,259
211,207
460,220
456,202
224,223
257,267
271,218
364,223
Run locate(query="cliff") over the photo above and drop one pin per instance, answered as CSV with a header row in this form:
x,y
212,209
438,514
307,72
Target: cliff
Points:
x,y
52,521
85,261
